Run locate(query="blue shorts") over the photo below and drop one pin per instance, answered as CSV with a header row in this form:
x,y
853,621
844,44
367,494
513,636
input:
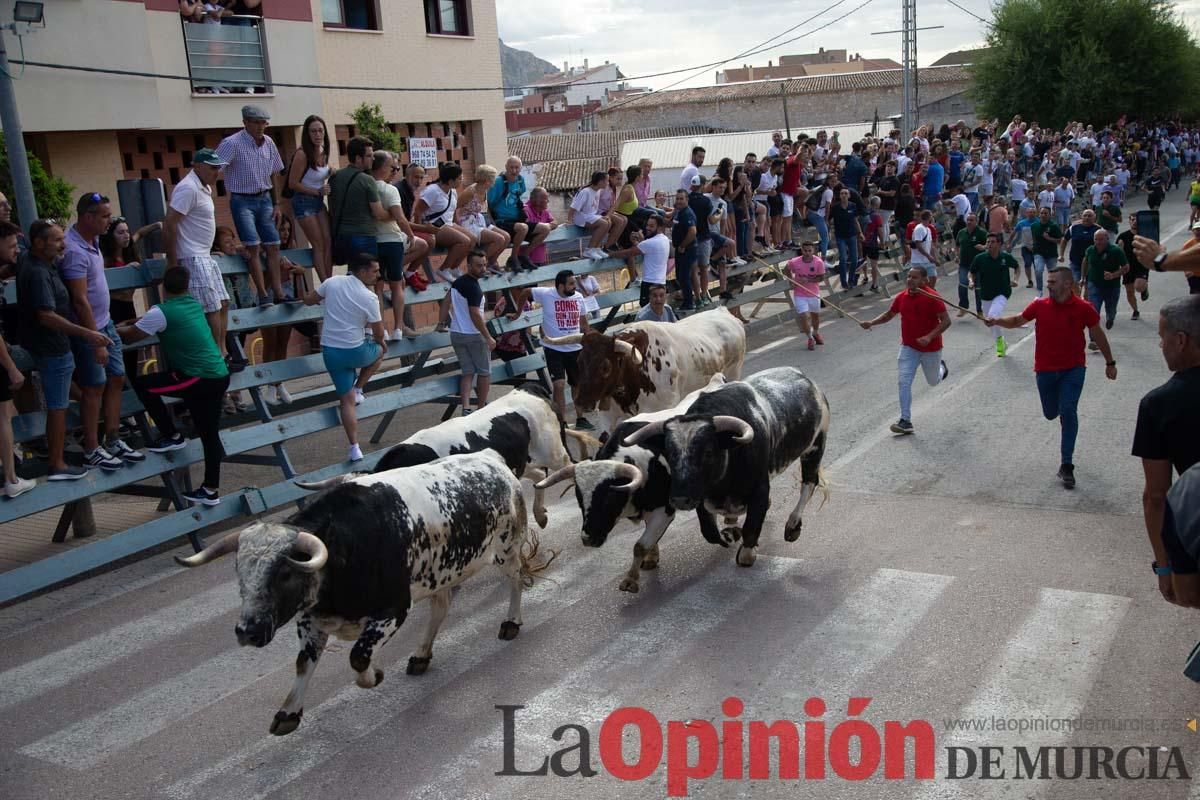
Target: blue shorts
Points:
x,y
252,216
87,371
347,247
391,260
718,241
342,363
305,205
56,372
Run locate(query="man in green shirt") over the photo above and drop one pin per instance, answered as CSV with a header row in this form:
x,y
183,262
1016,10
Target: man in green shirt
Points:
x,y
196,374
1108,214
1104,264
971,240
990,270
1046,236
354,204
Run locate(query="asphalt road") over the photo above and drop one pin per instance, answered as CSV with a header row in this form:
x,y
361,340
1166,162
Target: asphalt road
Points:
x,y
947,576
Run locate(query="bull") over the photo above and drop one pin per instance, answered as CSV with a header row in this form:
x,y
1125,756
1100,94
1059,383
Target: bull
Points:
x,y
628,482
724,451
651,366
355,559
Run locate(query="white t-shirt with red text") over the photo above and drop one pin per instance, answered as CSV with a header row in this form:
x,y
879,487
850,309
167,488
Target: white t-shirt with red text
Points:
x,y
560,316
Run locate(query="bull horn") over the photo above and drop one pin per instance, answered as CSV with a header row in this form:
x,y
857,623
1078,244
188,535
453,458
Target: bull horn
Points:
x,y
316,486
317,553
644,433
574,338
567,473
634,477
741,430
223,546
627,349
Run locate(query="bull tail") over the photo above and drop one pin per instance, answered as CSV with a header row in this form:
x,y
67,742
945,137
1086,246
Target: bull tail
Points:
x,y
585,441
823,485
532,566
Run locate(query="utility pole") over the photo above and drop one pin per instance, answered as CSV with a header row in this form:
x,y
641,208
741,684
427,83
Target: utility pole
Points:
x,y
783,97
14,140
908,39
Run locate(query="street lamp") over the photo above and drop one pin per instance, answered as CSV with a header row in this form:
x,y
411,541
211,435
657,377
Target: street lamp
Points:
x,y
29,12
25,14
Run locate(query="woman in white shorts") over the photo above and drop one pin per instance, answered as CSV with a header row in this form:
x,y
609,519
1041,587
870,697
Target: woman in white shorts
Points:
x,y
472,207
807,270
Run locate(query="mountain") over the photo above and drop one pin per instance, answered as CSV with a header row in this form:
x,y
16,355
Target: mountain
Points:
x,y
520,68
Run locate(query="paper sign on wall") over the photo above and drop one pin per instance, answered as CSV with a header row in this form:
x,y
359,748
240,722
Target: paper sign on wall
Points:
x,y
423,151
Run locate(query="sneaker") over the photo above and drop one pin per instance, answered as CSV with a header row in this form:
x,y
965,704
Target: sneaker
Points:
x,y
68,473
582,424
726,295
121,450
1029,285
264,302
1066,474
235,364
874,288
738,262
1108,323
902,426
444,275
272,396
596,254
1136,315
961,313
285,396
817,338
1145,295
442,327
203,497
1093,346
811,344
1001,347
18,487
527,263
408,333
355,453
943,371
103,459
165,444
466,412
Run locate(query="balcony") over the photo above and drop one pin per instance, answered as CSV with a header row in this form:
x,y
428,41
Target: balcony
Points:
x,y
229,57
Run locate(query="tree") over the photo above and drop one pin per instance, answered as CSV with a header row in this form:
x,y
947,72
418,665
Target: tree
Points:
x,y
1055,61
54,196
370,122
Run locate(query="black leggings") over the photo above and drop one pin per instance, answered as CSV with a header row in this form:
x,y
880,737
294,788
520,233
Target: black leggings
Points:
x,y
202,397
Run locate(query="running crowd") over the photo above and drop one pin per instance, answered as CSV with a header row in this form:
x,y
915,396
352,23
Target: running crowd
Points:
x,y
971,195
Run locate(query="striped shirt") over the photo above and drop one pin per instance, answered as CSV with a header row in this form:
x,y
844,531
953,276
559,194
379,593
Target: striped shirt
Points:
x,y
250,165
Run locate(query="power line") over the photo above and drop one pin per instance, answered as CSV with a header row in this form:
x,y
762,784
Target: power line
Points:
x,y
969,12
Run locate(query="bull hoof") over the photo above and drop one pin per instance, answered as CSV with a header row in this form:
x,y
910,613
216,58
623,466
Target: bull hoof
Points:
x,y
792,534
365,679
509,630
745,556
418,666
731,534
650,562
285,723
540,517
629,585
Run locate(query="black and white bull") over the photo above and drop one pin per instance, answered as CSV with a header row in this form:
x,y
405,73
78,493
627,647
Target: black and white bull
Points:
x,y
523,427
724,451
361,553
628,482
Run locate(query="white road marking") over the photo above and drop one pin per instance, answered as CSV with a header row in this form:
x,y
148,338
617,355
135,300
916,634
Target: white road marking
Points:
x,y
773,345
63,666
1046,670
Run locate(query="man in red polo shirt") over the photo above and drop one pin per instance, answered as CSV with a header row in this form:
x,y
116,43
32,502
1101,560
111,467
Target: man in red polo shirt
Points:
x,y
1059,357
788,187
922,322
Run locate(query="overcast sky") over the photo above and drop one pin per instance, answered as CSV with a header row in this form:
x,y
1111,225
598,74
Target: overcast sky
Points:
x,y
649,38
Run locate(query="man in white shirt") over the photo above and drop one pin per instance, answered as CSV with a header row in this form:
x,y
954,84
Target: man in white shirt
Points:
x,y
562,316
469,335
188,234
692,169
1018,190
922,247
1045,198
655,250
351,306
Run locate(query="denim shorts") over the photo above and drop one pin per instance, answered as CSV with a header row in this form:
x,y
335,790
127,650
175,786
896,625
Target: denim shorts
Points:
x,y
87,371
305,205
252,216
391,260
55,372
343,362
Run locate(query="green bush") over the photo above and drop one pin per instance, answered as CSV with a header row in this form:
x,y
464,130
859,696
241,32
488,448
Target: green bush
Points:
x,y
54,196
369,122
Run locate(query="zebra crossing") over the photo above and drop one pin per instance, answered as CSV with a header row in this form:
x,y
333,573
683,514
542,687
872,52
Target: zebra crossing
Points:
x,y
673,649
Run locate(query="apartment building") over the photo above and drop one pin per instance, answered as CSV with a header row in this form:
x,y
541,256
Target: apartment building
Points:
x,y
94,129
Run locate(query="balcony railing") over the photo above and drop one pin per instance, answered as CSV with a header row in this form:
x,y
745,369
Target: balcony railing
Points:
x,y
230,57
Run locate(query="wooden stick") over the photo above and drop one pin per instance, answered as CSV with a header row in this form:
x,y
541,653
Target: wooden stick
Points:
x,y
935,296
774,268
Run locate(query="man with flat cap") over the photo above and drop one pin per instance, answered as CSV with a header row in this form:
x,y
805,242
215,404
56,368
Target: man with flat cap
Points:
x,y
254,176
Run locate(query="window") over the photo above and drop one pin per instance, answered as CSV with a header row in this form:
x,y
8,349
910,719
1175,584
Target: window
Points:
x,y
447,17
362,15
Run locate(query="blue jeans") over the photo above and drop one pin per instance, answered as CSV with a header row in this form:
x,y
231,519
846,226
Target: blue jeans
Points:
x,y
1062,215
931,200
743,237
683,273
974,198
908,360
818,222
964,274
848,259
1060,399
252,218
56,374
87,371
1040,265
1104,296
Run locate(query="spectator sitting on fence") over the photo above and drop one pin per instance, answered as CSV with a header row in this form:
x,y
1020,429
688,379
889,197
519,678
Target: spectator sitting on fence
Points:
x,y
99,371
657,309
507,207
585,212
469,335
45,331
537,213
471,215
433,212
196,374
351,306
11,379
410,189
393,235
